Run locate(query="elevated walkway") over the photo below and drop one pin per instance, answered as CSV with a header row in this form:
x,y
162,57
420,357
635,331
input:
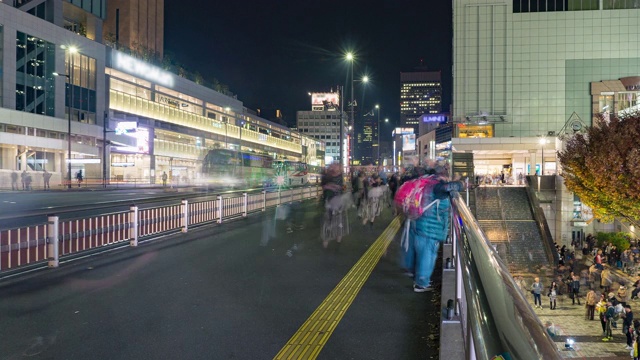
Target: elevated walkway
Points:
x,y
227,291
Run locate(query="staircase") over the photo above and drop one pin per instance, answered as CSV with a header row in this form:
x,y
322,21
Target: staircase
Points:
x,y
505,216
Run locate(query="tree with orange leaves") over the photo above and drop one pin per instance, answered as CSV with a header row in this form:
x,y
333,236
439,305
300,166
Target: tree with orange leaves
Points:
x,y
602,167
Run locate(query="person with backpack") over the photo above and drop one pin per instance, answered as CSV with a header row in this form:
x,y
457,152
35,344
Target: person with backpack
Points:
x,y
431,228
608,319
601,309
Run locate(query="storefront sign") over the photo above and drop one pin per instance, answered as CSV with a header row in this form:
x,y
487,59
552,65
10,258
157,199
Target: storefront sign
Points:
x,y
133,66
124,127
122,164
84,161
174,103
434,118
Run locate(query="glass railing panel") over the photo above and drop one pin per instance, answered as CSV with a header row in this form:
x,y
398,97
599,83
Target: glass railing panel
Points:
x,y
499,318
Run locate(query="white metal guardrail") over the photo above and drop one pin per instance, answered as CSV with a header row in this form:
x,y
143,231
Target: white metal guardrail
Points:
x,y
47,242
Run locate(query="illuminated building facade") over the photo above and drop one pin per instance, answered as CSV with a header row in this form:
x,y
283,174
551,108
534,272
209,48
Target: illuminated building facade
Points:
x,y
420,93
153,121
527,72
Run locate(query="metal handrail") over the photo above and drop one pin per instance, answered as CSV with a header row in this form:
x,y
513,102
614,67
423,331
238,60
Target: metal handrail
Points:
x,y
541,220
498,318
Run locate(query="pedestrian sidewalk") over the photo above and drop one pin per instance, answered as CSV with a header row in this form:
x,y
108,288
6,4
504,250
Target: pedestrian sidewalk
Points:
x,y
570,322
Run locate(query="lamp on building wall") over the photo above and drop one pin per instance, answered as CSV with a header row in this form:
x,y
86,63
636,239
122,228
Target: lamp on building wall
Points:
x,y
70,51
542,141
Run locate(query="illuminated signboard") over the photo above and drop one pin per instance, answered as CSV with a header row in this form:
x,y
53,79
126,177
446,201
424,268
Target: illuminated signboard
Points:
x,y
409,142
320,99
124,127
434,118
136,67
403,131
140,134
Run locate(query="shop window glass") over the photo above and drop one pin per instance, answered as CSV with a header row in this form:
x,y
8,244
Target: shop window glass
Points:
x,y
627,102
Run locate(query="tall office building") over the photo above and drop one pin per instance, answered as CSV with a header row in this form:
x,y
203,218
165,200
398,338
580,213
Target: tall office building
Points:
x,y
323,123
420,93
527,72
137,25
366,140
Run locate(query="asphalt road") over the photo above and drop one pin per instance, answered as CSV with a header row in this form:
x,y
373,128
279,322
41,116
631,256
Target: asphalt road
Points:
x,y
217,292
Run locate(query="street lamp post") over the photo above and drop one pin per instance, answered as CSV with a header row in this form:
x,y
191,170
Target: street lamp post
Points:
x,y
70,51
341,92
226,122
378,136
350,58
104,148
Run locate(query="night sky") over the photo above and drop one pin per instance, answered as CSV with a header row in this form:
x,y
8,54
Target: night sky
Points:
x,y
271,53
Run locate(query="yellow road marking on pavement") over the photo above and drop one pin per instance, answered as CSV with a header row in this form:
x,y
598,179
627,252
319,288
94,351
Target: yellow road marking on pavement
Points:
x,y
309,340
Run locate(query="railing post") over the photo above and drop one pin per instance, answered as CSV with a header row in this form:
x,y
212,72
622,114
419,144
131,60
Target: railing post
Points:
x,y
185,215
279,194
52,241
467,187
219,209
133,230
244,206
264,200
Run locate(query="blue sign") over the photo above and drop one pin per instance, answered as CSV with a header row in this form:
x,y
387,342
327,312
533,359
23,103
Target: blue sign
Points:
x,y
435,118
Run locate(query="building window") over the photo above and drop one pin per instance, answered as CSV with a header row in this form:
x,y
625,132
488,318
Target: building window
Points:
x,y
39,11
35,63
83,79
526,6
620,4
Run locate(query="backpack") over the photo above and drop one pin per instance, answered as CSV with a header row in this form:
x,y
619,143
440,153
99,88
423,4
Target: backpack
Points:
x,y
410,197
617,310
412,200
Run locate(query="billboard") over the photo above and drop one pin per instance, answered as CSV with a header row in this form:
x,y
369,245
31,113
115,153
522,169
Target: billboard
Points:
x,y
409,142
128,128
320,99
403,131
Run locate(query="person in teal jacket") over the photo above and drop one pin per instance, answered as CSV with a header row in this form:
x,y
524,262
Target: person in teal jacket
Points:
x,y
432,228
